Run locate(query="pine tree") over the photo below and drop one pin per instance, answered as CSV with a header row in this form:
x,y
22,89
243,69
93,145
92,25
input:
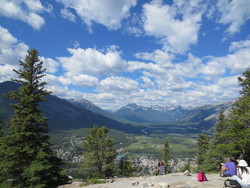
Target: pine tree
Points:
x,y
125,167
202,147
166,155
217,148
99,153
1,128
232,135
238,132
28,158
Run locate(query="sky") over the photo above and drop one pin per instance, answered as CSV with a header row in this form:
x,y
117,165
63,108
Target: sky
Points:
x,y
116,52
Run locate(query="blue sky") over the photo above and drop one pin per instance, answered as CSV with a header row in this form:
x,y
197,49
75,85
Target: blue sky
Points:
x,y
116,52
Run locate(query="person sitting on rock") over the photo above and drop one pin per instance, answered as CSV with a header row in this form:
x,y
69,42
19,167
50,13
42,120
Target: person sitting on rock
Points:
x,y
243,174
161,168
229,168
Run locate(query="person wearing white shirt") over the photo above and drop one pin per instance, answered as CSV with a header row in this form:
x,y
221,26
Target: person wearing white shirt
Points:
x,y
243,174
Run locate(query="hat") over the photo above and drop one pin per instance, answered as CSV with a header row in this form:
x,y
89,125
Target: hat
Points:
x,y
242,163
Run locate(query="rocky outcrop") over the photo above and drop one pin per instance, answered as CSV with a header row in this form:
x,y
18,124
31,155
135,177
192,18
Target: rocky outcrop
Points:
x,y
178,180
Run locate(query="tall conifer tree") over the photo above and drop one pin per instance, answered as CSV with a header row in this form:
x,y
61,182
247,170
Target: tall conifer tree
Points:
x,y
239,121
28,158
202,147
232,135
99,153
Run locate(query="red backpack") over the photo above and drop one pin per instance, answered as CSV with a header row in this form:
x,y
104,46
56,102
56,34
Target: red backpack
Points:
x,y
201,176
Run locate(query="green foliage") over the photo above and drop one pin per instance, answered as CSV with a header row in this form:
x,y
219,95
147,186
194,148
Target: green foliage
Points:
x,y
99,153
232,135
125,167
1,128
28,159
202,147
91,181
166,155
186,166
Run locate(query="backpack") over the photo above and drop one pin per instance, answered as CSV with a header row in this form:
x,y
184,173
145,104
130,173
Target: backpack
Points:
x,y
201,176
231,183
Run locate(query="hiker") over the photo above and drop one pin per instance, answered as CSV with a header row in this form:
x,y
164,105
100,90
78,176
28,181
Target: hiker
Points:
x,y
228,169
243,174
161,168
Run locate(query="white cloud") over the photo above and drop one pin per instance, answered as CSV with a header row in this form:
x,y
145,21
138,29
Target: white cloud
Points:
x,y
64,91
25,10
50,64
233,13
229,81
66,14
93,62
158,56
177,26
6,72
81,80
239,61
109,13
118,84
213,69
147,82
11,51
235,46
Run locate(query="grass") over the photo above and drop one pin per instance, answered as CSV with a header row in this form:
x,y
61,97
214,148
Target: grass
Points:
x,y
181,145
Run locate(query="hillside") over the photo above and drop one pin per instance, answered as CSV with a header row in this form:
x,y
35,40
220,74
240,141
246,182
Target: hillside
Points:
x,y
74,114
62,114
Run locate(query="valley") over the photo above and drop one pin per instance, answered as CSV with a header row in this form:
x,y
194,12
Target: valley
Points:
x,y
138,132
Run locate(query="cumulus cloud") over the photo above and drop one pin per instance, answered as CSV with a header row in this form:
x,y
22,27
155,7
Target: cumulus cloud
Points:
x,y
239,61
233,13
118,84
93,62
6,72
109,14
50,64
25,10
157,56
176,26
213,69
11,50
80,80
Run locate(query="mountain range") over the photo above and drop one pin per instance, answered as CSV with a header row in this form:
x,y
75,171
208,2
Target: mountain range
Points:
x,y
73,114
62,114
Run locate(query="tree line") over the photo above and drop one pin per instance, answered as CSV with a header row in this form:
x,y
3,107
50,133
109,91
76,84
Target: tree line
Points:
x,y
231,137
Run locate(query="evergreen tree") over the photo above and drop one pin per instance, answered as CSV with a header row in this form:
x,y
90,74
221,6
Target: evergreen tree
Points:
x,y
238,132
1,128
166,155
28,158
125,167
217,148
232,135
202,147
99,153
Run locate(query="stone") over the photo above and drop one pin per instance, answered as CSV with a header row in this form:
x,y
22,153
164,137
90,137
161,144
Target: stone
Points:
x,y
135,183
151,184
164,185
